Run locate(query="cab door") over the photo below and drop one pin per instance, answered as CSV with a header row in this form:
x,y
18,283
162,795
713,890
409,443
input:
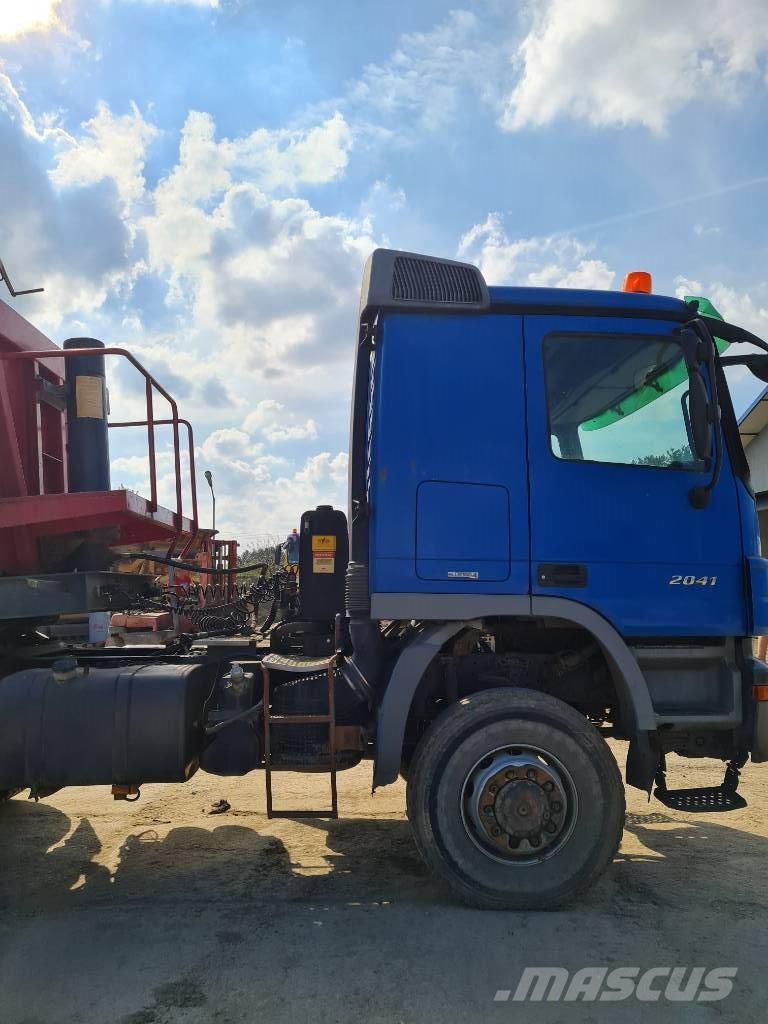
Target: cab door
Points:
x,y
448,482
611,469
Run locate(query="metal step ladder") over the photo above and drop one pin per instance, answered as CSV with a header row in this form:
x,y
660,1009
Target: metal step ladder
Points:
x,y
299,666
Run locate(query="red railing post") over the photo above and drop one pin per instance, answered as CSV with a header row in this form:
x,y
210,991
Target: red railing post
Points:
x,y
151,446
192,488
177,466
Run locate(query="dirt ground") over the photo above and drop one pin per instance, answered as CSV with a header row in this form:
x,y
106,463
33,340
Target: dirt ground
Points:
x,y
157,912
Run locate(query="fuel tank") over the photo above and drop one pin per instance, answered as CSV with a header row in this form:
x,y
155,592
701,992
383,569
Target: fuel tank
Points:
x,y
74,726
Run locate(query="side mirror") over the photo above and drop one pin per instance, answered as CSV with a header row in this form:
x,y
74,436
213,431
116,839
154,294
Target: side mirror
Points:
x,y
701,420
756,364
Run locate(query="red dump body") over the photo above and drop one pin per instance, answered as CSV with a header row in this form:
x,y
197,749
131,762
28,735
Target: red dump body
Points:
x,y
35,501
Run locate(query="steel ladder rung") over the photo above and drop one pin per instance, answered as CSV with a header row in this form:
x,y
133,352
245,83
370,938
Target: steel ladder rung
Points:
x,y
329,720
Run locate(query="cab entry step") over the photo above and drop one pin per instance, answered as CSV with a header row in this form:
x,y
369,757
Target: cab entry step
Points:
x,y
704,798
707,798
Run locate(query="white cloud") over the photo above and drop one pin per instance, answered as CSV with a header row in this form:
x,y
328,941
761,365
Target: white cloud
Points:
x,y
281,499
74,242
238,465
271,278
231,445
257,492
131,466
179,3
737,307
295,274
16,110
382,200
555,262
18,17
283,159
271,420
423,79
264,289
270,275
319,467
111,147
614,62
277,161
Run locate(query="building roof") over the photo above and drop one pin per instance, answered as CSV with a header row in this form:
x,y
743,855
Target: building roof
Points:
x,y
755,419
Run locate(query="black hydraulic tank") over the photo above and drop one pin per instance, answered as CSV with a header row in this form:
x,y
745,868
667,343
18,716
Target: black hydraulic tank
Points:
x,y
323,557
87,432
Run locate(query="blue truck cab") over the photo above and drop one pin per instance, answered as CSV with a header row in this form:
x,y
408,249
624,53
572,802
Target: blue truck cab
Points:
x,y
553,540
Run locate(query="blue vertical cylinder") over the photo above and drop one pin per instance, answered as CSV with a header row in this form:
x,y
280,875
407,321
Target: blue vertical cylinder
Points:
x,y
87,437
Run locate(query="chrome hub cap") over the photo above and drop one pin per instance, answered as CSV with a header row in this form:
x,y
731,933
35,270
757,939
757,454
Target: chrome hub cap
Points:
x,y
519,805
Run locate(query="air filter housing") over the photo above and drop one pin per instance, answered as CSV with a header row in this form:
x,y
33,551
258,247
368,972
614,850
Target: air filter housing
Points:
x,y
407,280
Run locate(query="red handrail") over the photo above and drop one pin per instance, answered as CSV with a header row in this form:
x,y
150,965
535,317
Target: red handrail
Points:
x,y
192,480
150,423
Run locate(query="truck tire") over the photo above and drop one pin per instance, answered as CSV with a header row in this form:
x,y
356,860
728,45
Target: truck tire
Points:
x,y
515,800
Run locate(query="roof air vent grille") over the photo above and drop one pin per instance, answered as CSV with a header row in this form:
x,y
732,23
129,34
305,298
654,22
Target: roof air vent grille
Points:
x,y
424,280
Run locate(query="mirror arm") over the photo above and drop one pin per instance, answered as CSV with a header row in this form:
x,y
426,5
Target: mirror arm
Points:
x,y
743,360
728,332
756,364
700,496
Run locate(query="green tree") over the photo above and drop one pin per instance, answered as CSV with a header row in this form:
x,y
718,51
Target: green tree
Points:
x,y
672,457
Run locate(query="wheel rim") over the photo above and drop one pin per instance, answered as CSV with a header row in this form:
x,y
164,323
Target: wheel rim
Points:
x,y
519,805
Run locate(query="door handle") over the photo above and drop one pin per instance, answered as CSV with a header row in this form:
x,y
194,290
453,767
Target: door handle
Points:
x,y
561,574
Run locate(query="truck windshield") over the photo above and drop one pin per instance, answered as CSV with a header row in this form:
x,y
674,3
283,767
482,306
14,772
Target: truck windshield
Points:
x,y
619,399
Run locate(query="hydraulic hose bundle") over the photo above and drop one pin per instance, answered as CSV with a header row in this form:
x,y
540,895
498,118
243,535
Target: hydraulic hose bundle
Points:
x,y
213,607
228,608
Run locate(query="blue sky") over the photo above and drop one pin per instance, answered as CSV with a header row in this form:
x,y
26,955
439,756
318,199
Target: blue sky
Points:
x,y
201,180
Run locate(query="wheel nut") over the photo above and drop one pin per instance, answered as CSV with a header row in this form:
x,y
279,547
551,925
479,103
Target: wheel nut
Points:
x,y
556,806
512,775
548,787
488,809
495,831
493,788
534,840
531,774
551,827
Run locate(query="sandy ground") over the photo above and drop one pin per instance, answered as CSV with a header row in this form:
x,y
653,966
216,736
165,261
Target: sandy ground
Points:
x,y
158,912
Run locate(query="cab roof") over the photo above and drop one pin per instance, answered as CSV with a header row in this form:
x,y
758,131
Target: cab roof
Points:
x,y
571,299
395,281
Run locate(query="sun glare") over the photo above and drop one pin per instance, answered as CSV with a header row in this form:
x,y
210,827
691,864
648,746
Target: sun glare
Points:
x,y
20,16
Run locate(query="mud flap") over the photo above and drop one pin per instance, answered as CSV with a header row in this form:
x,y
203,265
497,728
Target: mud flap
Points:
x,y
642,762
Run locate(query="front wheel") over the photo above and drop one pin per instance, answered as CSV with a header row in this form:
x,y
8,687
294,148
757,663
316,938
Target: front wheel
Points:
x,y
515,800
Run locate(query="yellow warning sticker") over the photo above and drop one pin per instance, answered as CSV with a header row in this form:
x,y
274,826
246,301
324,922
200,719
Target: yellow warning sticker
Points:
x,y
323,561
89,398
323,542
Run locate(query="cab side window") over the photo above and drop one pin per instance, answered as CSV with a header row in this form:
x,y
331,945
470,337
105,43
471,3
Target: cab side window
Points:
x,y
620,399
